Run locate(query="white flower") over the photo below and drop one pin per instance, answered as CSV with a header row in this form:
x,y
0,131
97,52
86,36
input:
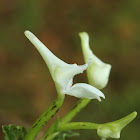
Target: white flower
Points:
x,y
98,71
63,73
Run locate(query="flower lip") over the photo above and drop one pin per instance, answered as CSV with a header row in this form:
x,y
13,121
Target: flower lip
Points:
x,y
63,73
83,90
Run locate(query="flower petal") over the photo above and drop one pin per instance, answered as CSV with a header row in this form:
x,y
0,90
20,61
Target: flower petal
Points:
x,y
98,71
82,90
50,59
64,75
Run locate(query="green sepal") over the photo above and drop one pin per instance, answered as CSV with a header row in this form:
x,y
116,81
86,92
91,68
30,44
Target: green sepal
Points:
x,y
66,134
13,132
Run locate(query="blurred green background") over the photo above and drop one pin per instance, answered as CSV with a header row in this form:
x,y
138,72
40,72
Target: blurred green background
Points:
x,y
26,87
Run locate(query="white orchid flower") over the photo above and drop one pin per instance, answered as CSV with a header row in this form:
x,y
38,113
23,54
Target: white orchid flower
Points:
x,y
98,71
63,73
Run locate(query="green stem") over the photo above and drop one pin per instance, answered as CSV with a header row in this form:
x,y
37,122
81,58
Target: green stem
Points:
x,y
51,136
45,117
72,126
103,138
78,125
68,117
75,110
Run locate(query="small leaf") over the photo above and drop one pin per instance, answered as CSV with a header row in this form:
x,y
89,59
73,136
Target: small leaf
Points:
x,y
66,134
13,132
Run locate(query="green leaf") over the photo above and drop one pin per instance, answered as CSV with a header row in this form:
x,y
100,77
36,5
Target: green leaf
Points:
x,y
13,132
56,124
66,134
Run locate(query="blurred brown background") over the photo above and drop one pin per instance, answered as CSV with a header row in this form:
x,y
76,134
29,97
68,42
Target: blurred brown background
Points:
x,y
26,87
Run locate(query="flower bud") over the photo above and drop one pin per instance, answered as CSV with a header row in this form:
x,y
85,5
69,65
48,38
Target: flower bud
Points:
x,y
113,129
98,71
